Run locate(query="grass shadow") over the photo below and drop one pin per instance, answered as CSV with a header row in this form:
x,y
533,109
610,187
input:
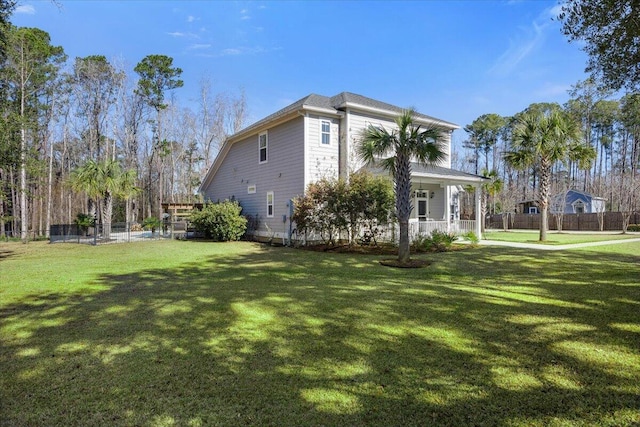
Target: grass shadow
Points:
x,y
276,336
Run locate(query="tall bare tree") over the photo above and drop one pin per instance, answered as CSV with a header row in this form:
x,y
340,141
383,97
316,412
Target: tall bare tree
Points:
x,y
157,75
30,66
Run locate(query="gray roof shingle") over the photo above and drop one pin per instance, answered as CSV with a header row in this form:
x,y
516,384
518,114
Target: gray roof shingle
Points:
x,y
335,103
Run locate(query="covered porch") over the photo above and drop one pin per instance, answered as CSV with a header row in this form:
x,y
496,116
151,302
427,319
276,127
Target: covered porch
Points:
x,y
435,197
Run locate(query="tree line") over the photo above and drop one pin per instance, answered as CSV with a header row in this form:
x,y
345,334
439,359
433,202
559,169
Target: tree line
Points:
x,y
591,144
88,136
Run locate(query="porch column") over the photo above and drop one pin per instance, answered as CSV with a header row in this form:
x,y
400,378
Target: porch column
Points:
x,y
447,206
478,213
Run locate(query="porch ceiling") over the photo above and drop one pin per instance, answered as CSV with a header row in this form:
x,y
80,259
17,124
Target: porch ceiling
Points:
x,y
435,174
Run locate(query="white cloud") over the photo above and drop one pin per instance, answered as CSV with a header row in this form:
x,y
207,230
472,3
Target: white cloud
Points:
x,y
519,49
231,51
242,50
555,11
199,46
181,34
244,14
191,18
552,90
527,40
26,9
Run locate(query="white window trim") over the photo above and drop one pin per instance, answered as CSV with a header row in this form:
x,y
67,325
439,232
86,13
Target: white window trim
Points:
x,y
266,147
580,203
322,121
272,204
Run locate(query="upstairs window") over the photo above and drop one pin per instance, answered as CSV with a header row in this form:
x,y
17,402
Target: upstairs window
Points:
x,y
262,147
325,131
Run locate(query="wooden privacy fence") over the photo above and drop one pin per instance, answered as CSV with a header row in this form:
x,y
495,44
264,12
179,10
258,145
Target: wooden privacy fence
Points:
x,y
612,221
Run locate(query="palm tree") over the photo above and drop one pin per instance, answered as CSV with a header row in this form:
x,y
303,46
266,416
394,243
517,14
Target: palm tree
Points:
x,y
128,190
85,180
102,181
110,177
489,191
406,143
541,139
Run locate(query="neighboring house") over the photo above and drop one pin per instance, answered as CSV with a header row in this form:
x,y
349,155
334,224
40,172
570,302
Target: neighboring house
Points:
x,y
577,202
266,165
528,207
571,202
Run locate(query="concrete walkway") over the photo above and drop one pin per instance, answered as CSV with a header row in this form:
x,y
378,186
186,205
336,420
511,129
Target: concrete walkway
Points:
x,y
545,247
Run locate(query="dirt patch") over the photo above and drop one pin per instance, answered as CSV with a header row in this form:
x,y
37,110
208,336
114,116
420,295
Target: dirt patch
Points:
x,y
354,249
382,249
412,263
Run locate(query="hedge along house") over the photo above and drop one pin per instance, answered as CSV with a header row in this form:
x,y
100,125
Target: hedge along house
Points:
x,y
266,165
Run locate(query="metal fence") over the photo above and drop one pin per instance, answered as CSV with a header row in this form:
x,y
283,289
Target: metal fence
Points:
x,y
119,232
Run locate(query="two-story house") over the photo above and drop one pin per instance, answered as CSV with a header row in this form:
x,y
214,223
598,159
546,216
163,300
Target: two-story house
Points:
x,y
266,165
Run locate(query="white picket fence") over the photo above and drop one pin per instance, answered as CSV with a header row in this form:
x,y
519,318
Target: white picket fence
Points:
x,y
391,233
425,228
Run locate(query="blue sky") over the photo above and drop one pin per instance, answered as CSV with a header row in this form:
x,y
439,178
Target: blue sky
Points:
x,y
454,60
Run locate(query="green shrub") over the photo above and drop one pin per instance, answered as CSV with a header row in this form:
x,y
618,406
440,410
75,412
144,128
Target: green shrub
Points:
x,y
84,221
633,227
151,223
471,237
331,207
220,221
438,241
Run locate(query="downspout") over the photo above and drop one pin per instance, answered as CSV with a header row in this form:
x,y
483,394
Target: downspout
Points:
x,y
305,126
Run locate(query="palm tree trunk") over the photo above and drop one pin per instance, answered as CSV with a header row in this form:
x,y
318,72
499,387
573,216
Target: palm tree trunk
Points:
x,y
107,211
545,179
403,204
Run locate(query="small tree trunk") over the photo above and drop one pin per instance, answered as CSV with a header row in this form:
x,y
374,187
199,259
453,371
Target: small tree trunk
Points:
x,y
545,180
544,223
403,204
107,212
403,244
49,191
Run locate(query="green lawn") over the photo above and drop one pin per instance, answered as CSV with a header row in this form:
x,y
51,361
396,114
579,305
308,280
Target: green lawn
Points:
x,y
199,334
554,238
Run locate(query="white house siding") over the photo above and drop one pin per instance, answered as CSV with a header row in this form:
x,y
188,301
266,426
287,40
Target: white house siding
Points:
x,y
322,160
358,121
283,173
437,204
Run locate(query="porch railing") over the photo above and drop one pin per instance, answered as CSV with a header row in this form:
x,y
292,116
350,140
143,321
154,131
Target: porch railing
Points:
x,y
425,228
